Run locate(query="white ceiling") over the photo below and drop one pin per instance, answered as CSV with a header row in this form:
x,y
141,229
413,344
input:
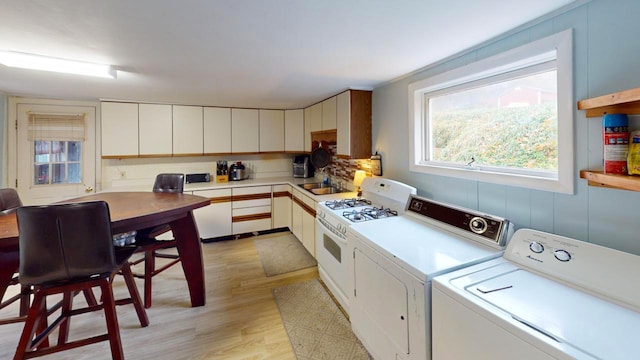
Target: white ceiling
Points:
x,y
244,53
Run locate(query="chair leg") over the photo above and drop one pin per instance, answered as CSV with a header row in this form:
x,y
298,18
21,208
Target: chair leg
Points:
x,y
34,317
134,294
25,297
65,310
112,321
90,297
149,267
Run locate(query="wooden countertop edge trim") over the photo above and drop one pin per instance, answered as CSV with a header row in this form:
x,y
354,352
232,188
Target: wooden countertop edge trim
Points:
x,y
220,199
250,197
250,217
282,194
304,206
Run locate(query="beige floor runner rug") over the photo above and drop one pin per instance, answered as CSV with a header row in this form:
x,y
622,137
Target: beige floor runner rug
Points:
x,y
316,327
282,253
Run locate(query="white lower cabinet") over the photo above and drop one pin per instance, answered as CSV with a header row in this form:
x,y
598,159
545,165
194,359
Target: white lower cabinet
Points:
x,y
251,209
387,306
215,219
296,218
281,209
303,220
309,232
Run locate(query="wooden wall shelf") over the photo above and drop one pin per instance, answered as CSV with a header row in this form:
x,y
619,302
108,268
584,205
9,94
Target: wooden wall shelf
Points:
x,y
616,181
622,102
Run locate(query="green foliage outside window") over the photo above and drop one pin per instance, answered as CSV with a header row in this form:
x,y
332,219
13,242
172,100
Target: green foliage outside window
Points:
x,y
519,137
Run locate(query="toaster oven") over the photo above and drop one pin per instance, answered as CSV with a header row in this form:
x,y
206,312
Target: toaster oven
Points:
x,y
302,167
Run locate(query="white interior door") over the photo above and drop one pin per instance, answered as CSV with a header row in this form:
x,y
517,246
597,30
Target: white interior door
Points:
x,y
35,183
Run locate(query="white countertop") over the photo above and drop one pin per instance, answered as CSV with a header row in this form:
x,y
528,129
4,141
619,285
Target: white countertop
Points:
x,y
245,183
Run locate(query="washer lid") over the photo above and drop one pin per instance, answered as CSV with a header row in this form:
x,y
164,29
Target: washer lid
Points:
x,y
593,325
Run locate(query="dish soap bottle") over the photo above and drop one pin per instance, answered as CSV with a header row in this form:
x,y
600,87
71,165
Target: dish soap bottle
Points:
x,y
325,177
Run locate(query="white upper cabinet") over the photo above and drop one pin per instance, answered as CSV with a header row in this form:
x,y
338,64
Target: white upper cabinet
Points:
x,y
119,129
306,131
329,113
187,130
294,130
271,130
244,131
156,133
217,130
312,123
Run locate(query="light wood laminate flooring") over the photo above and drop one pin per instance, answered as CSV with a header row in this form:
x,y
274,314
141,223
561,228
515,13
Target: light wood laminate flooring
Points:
x,y
239,321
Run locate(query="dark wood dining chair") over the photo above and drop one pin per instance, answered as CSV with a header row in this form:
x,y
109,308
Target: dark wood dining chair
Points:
x,y
65,249
9,203
148,242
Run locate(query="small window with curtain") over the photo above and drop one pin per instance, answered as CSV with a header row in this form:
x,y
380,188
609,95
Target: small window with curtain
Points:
x,y
57,147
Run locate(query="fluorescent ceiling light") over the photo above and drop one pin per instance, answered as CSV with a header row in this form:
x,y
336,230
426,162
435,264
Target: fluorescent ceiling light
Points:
x,y
37,62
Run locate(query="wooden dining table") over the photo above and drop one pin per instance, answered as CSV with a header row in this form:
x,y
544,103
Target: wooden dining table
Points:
x,y
130,211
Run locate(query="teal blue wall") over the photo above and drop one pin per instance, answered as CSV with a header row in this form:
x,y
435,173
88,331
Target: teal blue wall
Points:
x,y
606,59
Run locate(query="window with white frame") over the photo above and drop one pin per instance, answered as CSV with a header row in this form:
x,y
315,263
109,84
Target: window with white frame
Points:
x,y
57,148
507,119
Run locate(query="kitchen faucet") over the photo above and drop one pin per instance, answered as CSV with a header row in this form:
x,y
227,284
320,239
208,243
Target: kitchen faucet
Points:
x,y
336,182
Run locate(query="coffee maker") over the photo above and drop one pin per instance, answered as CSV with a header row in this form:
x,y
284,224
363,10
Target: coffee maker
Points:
x,y
302,167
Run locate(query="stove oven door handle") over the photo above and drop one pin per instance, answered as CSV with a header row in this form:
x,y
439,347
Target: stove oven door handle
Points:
x,y
325,229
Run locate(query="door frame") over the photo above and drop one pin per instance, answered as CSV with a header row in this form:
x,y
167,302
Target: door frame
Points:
x,y
12,134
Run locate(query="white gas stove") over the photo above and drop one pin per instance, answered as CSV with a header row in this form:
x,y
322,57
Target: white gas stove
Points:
x,y
381,198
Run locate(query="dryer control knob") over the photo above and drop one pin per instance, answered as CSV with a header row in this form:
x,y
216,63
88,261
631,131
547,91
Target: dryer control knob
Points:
x,y
536,247
562,255
478,225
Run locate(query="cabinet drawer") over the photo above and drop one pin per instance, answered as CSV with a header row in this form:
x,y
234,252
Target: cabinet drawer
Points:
x,y
251,226
251,190
244,214
251,219
252,203
251,197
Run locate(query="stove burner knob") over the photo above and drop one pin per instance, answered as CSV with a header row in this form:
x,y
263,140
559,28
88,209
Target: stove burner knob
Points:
x,y
562,255
343,230
478,225
536,247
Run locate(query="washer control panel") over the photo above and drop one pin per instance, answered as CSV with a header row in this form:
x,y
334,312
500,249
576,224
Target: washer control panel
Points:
x,y
579,262
560,254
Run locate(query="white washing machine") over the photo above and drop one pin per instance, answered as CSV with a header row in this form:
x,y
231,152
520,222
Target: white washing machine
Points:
x,y
547,297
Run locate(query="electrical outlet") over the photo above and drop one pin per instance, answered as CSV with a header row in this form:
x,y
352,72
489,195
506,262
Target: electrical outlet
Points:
x,y
123,174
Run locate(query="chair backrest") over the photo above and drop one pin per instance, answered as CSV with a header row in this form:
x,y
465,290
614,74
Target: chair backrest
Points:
x,y
65,242
169,182
9,201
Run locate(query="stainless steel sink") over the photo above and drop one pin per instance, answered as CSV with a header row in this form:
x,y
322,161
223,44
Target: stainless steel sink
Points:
x,y
320,188
325,190
311,185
